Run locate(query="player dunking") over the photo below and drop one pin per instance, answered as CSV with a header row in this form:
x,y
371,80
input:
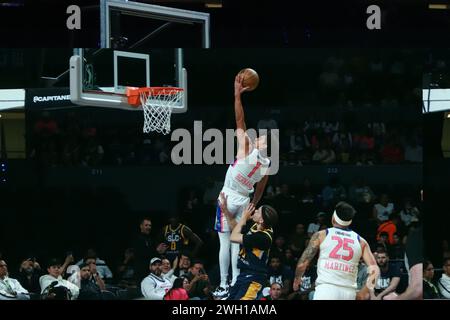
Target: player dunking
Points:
x,y
340,252
249,168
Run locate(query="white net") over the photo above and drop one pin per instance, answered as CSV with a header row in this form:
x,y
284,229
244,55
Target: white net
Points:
x,y
157,106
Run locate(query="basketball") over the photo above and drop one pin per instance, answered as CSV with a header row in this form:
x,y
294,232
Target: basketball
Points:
x,y
251,78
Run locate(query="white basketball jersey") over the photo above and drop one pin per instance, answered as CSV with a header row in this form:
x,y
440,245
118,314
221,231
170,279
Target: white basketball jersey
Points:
x,y
244,173
340,253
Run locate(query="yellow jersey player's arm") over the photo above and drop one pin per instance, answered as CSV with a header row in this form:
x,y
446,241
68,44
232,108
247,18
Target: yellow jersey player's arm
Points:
x,y
236,235
307,256
224,208
259,191
194,238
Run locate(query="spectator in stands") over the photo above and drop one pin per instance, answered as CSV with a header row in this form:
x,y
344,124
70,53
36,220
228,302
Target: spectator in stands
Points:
x,y
297,240
360,192
178,290
275,292
409,212
89,290
46,126
297,141
103,270
391,152
29,274
200,286
429,289
444,281
126,271
342,140
145,248
324,154
290,260
167,269
10,289
307,192
178,237
396,249
184,263
277,272
53,286
333,192
191,204
389,227
382,244
211,191
155,287
389,277
279,246
445,249
413,152
95,275
286,205
365,144
315,226
383,209
92,152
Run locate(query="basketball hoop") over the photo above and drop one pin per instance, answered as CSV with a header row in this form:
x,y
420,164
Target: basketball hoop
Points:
x,y
157,103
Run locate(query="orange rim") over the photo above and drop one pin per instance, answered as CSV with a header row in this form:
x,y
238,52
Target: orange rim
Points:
x,y
134,93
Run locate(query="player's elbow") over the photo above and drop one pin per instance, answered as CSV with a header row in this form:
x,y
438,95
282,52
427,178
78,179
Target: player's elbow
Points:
x,y
236,238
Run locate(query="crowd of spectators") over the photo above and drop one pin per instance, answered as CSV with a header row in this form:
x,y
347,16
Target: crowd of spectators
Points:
x,y
69,142
146,270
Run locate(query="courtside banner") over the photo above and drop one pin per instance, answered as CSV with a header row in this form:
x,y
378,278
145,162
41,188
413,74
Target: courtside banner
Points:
x,y
47,98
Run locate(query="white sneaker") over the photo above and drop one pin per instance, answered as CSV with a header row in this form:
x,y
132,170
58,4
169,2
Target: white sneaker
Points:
x,y
221,292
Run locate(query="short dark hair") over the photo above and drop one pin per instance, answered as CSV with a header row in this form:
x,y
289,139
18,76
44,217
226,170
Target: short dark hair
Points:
x,y
426,263
382,247
54,262
197,261
383,252
345,211
445,260
186,253
269,215
145,218
278,283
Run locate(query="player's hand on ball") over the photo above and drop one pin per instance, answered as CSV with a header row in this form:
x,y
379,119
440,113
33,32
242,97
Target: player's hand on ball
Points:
x,y
238,85
248,212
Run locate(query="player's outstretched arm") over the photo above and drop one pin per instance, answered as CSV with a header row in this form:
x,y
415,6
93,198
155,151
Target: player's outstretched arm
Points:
x,y
259,191
239,114
306,258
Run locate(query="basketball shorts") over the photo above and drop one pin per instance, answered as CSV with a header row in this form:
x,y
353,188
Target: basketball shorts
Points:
x,y
236,203
327,291
248,287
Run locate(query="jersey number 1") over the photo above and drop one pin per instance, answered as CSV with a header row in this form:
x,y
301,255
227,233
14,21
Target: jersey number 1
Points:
x,y
342,243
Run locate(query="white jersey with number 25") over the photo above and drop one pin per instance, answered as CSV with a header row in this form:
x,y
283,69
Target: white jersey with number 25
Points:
x,y
339,257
